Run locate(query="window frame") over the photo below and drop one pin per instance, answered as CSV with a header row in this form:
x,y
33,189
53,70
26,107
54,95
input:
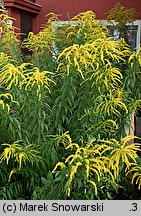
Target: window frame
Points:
x,y
134,23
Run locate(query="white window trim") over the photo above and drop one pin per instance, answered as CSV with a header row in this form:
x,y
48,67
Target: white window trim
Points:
x,y
135,23
138,23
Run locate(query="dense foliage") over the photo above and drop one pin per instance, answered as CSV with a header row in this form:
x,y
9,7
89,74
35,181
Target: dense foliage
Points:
x,y
65,112
122,18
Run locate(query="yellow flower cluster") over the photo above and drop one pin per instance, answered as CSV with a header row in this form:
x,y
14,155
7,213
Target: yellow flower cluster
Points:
x,y
43,40
22,76
92,158
5,99
38,79
22,154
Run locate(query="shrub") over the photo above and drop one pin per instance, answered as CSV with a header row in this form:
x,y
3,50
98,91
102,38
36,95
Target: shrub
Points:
x,y
84,89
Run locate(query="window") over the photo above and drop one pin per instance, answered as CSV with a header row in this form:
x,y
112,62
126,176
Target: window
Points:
x,y
26,23
134,32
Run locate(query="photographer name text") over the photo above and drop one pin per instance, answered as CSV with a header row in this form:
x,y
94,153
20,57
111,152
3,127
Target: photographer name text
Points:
x,y
54,206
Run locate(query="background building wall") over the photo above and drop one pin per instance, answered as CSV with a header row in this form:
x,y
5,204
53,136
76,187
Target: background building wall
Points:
x,y
69,8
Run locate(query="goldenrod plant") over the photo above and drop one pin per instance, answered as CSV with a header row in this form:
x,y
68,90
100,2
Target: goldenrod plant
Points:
x,y
9,42
72,97
121,18
98,159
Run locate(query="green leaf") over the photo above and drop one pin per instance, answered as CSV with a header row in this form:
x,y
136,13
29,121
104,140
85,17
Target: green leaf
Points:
x,y
50,175
46,182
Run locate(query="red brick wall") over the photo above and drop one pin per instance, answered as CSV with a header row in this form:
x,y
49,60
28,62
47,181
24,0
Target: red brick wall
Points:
x,y
72,7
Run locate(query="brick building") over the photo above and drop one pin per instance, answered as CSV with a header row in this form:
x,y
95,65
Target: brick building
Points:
x,y
30,14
